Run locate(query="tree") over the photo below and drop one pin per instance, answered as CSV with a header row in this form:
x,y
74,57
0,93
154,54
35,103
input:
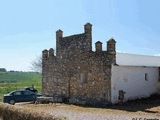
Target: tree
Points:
x,y
3,70
36,64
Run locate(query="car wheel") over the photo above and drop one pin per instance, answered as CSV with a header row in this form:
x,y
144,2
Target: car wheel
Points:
x,y
12,102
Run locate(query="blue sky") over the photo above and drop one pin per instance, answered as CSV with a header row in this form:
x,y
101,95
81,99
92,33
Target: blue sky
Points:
x,y
28,26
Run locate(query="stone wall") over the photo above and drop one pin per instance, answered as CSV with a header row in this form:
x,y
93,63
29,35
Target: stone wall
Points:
x,y
76,70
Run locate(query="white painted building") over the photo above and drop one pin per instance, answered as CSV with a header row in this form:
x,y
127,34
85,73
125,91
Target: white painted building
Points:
x,y
137,76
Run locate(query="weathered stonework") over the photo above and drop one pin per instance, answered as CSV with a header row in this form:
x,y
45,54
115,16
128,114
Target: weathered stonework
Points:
x,y
76,70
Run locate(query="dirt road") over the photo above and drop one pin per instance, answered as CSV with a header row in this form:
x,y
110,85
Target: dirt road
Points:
x,y
131,111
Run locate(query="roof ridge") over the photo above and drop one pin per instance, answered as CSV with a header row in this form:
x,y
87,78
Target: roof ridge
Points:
x,y
137,54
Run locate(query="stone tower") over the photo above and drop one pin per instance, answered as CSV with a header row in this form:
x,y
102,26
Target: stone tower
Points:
x,y
76,70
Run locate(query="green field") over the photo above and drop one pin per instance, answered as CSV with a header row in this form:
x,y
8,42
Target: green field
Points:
x,y
10,81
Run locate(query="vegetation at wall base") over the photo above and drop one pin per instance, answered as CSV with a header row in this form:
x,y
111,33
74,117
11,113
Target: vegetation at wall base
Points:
x,y
9,112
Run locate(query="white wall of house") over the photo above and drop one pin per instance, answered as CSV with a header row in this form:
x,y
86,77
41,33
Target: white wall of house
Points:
x,y
132,80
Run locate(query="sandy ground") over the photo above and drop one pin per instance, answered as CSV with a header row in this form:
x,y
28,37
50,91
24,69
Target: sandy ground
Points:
x,y
129,111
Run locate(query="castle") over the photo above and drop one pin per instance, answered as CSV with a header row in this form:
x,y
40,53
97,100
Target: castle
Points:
x,y
77,71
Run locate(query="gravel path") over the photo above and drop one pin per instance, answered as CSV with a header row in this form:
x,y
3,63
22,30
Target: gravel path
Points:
x,y
80,113
74,115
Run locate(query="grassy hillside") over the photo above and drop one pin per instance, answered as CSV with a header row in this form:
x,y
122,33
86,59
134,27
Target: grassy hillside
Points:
x,y
10,81
18,76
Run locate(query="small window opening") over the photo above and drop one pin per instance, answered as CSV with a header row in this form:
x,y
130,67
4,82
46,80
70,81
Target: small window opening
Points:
x,y
83,77
104,94
121,95
146,76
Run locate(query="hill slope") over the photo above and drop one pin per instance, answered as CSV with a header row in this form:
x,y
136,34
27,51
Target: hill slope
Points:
x,y
10,81
19,76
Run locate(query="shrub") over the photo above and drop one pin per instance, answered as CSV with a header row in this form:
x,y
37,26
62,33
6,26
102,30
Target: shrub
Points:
x,y
9,112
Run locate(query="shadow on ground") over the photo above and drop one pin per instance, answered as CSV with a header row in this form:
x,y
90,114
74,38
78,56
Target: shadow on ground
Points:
x,y
144,105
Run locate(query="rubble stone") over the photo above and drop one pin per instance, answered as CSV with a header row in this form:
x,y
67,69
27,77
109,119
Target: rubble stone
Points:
x,y
76,70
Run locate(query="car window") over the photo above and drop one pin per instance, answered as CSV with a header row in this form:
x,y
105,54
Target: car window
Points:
x,y
11,93
27,93
17,93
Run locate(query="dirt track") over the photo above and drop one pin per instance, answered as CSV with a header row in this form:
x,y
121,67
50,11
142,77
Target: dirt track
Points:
x,y
129,111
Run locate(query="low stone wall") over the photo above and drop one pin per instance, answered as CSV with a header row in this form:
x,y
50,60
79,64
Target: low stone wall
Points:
x,y
54,99
10,112
41,100
90,102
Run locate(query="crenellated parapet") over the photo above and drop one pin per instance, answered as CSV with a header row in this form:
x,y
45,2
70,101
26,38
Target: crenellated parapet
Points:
x,y
77,43
47,54
109,53
111,46
59,36
88,32
51,53
88,28
76,70
98,46
111,50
